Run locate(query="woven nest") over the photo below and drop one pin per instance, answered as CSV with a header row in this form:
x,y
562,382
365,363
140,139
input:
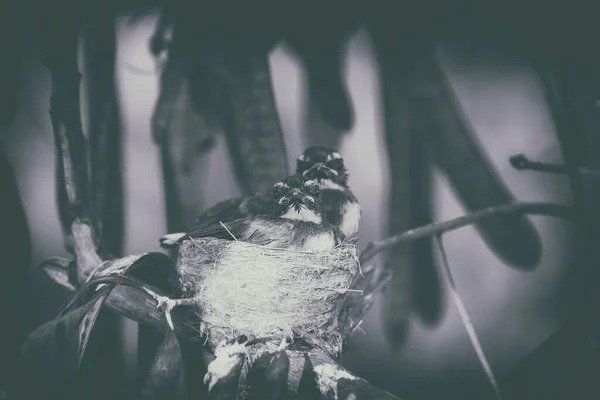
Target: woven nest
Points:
x,y
248,289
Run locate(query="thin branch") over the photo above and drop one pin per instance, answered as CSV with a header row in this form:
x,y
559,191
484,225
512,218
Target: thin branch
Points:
x,y
466,319
360,300
521,162
548,209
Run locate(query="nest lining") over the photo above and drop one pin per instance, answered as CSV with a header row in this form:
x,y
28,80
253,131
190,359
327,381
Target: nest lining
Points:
x,y
258,291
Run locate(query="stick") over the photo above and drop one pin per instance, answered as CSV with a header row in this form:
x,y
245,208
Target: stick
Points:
x,y
466,319
521,162
549,209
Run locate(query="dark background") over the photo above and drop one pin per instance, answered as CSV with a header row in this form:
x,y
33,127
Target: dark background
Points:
x,y
487,56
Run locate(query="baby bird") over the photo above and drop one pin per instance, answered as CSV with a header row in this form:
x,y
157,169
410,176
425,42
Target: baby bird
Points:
x,y
288,216
225,211
326,166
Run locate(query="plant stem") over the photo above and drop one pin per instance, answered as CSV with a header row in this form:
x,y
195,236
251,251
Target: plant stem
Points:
x,y
466,319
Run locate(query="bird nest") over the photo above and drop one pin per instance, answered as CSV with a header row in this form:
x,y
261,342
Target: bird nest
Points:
x,y
260,292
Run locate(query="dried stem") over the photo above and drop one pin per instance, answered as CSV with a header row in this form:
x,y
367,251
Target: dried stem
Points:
x,y
549,209
359,301
72,168
466,319
521,162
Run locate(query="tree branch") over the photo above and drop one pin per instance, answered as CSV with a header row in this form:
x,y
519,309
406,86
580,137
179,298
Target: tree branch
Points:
x,y
521,162
548,209
466,319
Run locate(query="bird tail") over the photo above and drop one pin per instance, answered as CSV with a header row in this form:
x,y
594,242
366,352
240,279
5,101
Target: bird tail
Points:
x,y
170,240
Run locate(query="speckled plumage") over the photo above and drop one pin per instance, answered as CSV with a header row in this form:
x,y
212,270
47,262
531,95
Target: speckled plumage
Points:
x,y
277,232
337,209
340,206
287,216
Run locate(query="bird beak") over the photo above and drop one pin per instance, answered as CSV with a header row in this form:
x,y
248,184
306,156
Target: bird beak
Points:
x,y
320,167
296,197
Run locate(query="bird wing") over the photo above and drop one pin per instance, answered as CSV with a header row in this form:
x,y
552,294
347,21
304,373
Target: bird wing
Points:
x,y
227,210
333,202
338,235
229,230
234,209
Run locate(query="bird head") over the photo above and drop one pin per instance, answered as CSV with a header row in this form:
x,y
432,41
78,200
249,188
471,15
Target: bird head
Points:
x,y
324,165
298,198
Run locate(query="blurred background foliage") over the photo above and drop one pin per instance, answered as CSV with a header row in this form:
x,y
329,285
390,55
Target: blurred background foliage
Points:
x,y
188,103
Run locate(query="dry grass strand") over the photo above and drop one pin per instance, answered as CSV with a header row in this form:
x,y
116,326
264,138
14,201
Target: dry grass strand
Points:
x,y
259,291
